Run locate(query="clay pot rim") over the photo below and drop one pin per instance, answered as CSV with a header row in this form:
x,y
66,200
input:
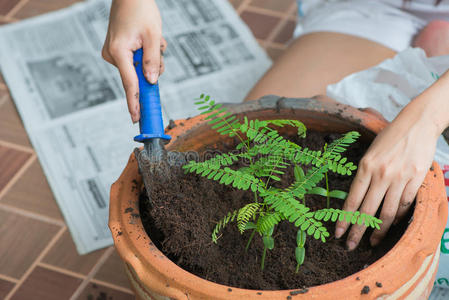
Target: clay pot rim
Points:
x,y
134,245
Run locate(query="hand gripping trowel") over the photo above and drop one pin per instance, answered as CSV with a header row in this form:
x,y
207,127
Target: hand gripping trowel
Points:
x,y
153,158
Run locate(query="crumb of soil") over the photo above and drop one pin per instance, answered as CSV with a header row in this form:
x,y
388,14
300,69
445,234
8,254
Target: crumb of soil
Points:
x,y
378,284
171,124
184,209
365,290
303,291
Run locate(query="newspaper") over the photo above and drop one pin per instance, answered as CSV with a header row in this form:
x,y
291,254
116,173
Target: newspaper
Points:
x,y
73,105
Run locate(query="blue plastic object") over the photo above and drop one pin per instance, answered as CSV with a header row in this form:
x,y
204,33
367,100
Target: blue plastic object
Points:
x,y
151,124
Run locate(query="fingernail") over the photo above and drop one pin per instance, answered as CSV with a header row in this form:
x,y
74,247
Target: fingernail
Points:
x,y
148,76
338,232
351,245
153,77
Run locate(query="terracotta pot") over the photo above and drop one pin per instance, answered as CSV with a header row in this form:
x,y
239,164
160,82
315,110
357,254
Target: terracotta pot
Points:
x,y
406,271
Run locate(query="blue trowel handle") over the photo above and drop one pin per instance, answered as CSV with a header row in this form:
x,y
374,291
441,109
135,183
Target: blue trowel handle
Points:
x,y
151,124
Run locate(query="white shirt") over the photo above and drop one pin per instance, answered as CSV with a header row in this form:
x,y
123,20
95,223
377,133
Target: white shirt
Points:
x,y
392,23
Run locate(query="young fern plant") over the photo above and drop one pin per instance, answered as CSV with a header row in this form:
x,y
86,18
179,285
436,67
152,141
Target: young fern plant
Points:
x,y
269,155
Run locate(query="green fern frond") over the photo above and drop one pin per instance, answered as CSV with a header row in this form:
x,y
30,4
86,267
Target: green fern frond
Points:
x,y
268,140
214,163
227,176
222,121
230,217
245,214
296,213
267,166
293,123
341,144
339,165
306,157
268,221
353,217
313,176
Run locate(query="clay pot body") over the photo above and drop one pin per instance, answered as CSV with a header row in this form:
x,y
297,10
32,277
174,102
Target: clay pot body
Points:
x,y
406,271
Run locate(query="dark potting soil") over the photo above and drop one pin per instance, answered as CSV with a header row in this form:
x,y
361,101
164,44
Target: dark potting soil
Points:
x,y
184,209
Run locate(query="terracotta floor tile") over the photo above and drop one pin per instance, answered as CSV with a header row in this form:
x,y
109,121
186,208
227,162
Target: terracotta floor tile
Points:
x,y
48,285
11,161
37,7
276,5
97,291
11,127
63,254
274,53
32,193
7,5
286,33
5,288
261,25
113,271
22,239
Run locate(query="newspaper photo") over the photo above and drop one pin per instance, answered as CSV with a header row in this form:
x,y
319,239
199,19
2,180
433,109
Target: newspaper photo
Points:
x,y
73,105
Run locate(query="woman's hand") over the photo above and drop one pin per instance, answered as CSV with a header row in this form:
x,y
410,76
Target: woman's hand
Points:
x,y
396,163
135,24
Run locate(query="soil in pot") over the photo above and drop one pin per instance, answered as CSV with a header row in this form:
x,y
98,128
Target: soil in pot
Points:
x,y
184,209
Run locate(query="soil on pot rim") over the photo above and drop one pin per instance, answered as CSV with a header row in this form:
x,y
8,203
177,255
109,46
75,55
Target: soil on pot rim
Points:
x,y
184,209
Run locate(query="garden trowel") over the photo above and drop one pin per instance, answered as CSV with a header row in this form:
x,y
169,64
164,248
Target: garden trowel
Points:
x,y
153,157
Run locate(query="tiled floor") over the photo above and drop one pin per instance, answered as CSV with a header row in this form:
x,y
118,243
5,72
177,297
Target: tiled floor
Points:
x,y
38,259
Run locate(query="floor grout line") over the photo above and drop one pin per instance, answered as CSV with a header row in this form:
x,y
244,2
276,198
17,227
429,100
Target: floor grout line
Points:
x,y
36,261
112,286
276,45
16,8
293,17
261,43
61,270
18,174
291,11
92,272
32,215
8,278
292,14
8,19
278,28
242,6
16,146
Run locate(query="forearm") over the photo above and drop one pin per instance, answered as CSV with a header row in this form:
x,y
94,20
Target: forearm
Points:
x,y
430,110
432,105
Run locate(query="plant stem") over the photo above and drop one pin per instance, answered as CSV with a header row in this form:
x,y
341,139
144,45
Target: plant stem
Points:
x,y
327,189
250,239
297,268
327,183
262,264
